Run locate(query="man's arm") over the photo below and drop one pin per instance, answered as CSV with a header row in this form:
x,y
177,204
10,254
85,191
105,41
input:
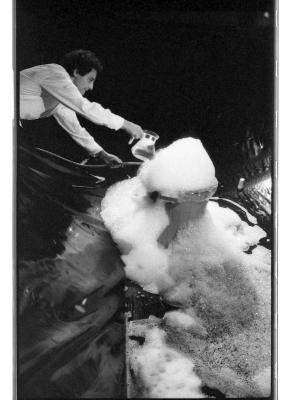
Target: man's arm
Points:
x,y
59,85
68,120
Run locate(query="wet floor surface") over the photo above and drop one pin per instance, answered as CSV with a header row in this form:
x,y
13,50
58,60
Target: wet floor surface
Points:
x,y
71,331
72,295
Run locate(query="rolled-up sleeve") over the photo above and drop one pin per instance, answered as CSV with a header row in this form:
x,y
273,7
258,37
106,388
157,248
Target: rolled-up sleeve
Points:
x,y
68,120
58,84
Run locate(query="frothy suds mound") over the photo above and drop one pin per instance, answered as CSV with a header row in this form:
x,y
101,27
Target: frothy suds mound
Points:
x,y
223,325
164,372
184,165
133,219
180,319
136,222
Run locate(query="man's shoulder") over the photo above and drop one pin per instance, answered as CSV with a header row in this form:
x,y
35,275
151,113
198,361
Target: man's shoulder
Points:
x,y
45,67
55,66
50,73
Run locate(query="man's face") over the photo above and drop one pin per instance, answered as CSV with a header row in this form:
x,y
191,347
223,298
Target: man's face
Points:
x,y
84,82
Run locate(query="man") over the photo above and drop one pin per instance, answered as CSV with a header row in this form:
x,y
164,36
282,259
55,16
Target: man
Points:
x,y
54,89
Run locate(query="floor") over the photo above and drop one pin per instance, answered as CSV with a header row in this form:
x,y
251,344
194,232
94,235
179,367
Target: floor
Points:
x,y
72,298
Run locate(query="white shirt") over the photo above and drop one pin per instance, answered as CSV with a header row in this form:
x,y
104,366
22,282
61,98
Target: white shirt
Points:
x,y
47,90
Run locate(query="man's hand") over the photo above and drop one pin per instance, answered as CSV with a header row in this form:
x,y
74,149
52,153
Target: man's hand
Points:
x,y
135,131
109,159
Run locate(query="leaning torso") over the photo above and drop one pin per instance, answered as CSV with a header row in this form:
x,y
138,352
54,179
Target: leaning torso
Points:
x,y
35,101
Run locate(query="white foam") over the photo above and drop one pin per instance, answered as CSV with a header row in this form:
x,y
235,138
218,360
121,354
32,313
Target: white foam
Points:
x,y
179,319
136,222
182,166
204,268
131,216
148,265
241,233
261,255
263,380
164,372
250,217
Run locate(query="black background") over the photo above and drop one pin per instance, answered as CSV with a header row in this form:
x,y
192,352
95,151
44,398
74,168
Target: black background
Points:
x,y
199,68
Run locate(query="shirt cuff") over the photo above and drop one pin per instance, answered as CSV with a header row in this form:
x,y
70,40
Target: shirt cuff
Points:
x,y
96,151
117,122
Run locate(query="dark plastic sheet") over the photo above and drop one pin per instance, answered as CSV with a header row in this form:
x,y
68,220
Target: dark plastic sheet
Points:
x,y
71,298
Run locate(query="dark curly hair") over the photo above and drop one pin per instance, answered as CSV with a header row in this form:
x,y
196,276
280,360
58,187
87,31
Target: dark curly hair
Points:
x,y
81,60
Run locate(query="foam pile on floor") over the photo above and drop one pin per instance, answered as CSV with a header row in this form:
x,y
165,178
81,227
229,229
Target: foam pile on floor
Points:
x,y
223,325
164,370
182,166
